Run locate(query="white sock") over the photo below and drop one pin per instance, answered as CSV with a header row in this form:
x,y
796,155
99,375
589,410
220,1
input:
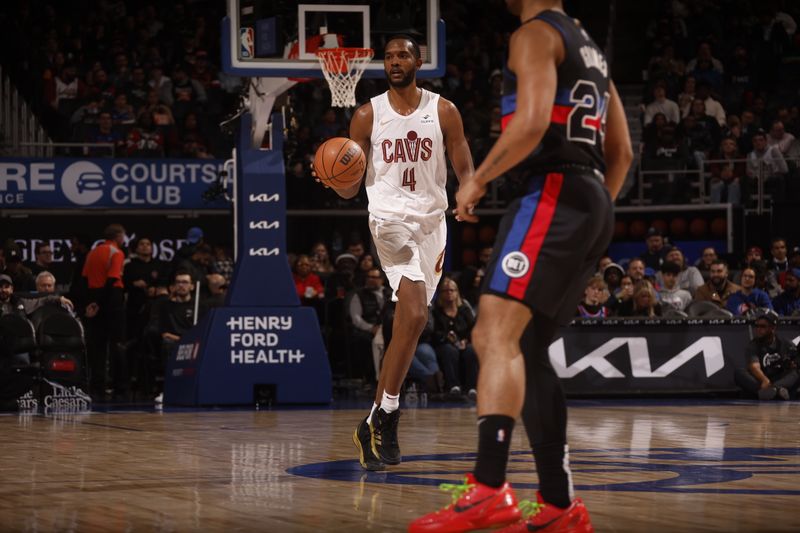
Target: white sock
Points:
x,y
390,403
374,408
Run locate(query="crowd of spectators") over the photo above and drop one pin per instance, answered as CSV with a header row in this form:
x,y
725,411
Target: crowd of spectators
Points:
x,y
721,96
661,283
141,78
134,307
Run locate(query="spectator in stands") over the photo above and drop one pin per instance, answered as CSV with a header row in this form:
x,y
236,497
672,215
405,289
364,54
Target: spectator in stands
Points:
x,y
779,262
145,140
593,298
307,284
704,132
11,303
141,275
671,293
453,321
186,94
223,262
321,260
356,248
687,96
161,84
771,370
162,114
65,91
170,319
740,77
100,87
365,264
643,303
45,283
198,264
712,107
703,264
787,303
105,330
636,269
728,171
654,256
340,282
329,126
661,104
104,133
704,53
689,278
718,288
193,142
203,71
217,290
620,296
20,274
365,310
122,113
749,298
137,88
653,131
779,137
44,258
767,163
612,275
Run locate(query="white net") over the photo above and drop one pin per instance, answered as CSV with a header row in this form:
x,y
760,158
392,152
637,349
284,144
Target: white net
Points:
x,y
343,68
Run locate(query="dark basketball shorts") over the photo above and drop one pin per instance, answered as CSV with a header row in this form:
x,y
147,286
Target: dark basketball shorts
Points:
x,y
549,242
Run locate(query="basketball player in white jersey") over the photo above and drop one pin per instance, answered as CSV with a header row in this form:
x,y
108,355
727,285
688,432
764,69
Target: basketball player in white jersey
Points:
x,y
404,134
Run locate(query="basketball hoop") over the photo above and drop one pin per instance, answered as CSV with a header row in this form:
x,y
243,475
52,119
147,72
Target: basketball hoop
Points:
x,y
343,68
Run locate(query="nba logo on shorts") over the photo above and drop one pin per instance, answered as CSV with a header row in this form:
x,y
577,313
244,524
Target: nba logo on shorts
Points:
x,y
247,43
515,264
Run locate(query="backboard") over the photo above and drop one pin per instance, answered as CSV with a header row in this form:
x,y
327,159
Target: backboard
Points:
x,y
258,35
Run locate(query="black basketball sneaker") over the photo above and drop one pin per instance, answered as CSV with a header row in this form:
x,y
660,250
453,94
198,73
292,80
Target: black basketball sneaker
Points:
x,y
364,439
385,431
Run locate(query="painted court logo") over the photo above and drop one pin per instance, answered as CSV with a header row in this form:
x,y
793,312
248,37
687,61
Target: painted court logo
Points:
x,y
82,183
515,264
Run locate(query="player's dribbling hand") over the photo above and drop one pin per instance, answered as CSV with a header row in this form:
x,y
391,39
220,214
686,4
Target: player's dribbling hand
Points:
x,y
467,197
316,178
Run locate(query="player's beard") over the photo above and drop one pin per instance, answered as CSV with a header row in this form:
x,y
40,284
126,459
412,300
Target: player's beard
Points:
x,y
407,79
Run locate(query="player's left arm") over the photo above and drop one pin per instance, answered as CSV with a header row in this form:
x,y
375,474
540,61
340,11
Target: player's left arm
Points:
x,y
455,141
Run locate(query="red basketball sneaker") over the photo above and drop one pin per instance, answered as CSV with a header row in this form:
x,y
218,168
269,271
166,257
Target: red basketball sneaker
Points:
x,y
474,506
544,518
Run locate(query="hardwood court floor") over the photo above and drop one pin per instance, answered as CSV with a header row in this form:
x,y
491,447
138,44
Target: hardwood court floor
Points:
x,y
640,466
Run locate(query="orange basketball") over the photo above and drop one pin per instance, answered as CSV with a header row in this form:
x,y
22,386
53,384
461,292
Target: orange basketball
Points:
x,y
698,228
339,162
719,227
678,227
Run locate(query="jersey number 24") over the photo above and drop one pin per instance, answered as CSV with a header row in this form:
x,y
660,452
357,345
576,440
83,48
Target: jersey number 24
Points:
x,y
588,115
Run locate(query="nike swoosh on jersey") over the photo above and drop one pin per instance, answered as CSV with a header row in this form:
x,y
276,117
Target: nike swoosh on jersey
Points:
x,y
385,122
461,509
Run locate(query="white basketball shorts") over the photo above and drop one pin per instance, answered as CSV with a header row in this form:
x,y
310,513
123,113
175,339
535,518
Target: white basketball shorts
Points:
x,y
407,250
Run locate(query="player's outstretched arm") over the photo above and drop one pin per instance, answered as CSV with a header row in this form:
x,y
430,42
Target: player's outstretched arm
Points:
x,y
617,145
454,140
360,132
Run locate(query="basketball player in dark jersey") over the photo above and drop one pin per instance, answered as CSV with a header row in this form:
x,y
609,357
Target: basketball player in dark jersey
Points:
x,y
566,141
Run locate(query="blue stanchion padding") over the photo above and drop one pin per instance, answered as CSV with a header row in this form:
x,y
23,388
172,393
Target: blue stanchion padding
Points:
x,y
231,351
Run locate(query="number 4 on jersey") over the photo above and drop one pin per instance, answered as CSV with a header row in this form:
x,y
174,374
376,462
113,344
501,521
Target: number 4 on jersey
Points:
x,y
408,179
588,116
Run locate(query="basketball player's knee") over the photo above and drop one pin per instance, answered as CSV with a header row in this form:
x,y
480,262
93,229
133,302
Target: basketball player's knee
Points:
x,y
418,318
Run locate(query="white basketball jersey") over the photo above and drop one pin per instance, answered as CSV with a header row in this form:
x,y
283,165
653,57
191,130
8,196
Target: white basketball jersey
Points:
x,y
406,171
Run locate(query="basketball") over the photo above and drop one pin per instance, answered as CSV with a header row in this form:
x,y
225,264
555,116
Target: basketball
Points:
x,y
339,162
661,225
637,229
620,230
698,228
719,227
678,227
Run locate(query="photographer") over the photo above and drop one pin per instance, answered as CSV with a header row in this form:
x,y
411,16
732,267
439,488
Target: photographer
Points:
x,y
771,362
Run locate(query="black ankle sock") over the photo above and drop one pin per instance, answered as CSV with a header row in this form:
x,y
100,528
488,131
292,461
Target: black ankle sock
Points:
x,y
554,479
494,440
